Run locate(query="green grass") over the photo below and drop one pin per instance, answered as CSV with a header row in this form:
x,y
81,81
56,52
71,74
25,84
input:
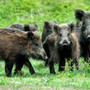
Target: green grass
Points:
x,y
38,11
67,79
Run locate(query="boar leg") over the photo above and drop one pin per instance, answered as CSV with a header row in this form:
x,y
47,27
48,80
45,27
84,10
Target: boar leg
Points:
x,y
28,64
46,63
86,57
20,59
18,68
76,63
51,67
62,64
71,64
46,48
8,67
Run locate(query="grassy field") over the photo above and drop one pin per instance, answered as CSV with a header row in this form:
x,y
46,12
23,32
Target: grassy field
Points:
x,y
38,11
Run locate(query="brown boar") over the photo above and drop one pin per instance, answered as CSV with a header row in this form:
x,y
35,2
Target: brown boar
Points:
x,y
66,47
15,46
19,64
47,30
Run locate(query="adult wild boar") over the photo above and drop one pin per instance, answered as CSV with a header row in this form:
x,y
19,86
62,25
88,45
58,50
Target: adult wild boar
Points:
x,y
85,32
19,64
16,47
66,47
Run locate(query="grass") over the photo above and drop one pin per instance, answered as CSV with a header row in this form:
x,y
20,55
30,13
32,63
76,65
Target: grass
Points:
x,y
38,11
68,79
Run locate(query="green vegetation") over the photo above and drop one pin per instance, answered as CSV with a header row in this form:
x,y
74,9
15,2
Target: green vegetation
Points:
x,y
38,11
68,79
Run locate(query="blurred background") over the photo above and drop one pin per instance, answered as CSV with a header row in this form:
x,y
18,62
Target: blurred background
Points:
x,y
38,11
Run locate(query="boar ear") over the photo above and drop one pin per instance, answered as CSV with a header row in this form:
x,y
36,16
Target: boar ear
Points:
x,y
36,25
71,25
56,28
55,21
46,23
26,28
30,35
79,14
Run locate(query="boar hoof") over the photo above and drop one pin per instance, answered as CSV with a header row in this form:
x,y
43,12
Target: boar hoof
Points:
x,y
8,75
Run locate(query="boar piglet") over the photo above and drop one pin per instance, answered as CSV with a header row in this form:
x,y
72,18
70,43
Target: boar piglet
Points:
x,y
66,46
47,30
14,45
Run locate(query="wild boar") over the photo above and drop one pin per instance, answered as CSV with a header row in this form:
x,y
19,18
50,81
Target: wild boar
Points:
x,y
17,48
84,38
66,47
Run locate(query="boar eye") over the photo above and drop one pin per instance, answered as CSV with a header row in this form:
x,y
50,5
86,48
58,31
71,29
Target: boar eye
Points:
x,y
60,34
36,44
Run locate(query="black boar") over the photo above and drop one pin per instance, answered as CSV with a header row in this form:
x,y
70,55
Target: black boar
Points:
x,y
84,39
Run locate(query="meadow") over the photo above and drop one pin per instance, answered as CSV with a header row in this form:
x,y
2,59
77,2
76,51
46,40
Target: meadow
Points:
x,y
38,11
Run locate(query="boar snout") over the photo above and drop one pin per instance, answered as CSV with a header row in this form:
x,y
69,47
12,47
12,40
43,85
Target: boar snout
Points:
x,y
65,42
43,55
46,58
